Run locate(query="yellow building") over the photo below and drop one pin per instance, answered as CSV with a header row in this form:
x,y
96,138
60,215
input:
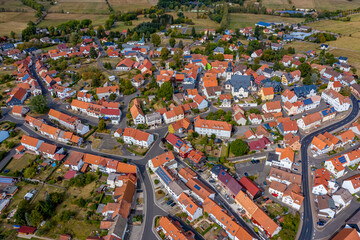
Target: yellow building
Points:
x,y
266,93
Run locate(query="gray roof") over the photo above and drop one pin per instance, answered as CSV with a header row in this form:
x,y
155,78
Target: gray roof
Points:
x,y
344,194
10,189
118,229
216,169
355,219
272,157
152,116
325,202
240,81
177,187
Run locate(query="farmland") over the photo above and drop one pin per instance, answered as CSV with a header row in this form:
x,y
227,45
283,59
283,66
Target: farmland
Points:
x,y
318,4
53,19
80,6
241,20
130,5
15,6
14,21
200,24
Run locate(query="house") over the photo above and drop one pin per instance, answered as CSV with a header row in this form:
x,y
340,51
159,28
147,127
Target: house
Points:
x,y
260,144
256,53
19,111
266,94
240,85
153,119
137,113
173,230
138,80
355,89
283,176
138,137
69,122
288,96
250,188
17,97
84,96
74,161
272,107
336,166
216,213
33,144
309,121
255,118
201,102
199,189
209,127
305,91
335,99
287,79
335,85
180,126
328,113
118,133
258,216
285,158
322,184
352,184
105,92
326,206
190,207
161,159
125,65
292,197
342,198
292,141
324,143
287,127
230,184
25,230
347,234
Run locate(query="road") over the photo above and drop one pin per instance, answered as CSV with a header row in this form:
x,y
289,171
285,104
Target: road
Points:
x,y
307,230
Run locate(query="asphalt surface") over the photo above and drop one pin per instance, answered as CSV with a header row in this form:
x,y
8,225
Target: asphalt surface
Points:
x,y
307,229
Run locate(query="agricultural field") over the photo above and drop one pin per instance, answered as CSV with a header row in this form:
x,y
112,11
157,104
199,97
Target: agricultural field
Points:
x,y
119,26
200,24
14,21
241,20
340,27
318,4
15,6
80,6
131,5
303,47
54,19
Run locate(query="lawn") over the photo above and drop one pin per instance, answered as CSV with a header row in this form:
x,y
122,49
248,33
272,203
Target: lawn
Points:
x,y
21,163
318,4
200,24
130,5
54,19
114,151
241,20
344,28
80,6
14,21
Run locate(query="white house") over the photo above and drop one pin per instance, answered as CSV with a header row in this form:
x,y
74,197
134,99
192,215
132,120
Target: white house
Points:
x,y
335,99
352,184
137,137
137,114
190,207
209,127
342,198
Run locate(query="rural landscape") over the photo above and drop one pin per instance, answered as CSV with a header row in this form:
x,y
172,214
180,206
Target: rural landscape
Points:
x,y
169,119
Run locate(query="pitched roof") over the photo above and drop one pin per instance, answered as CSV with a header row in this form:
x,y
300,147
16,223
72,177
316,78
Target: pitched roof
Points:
x,y
199,188
212,124
249,185
136,134
347,234
162,158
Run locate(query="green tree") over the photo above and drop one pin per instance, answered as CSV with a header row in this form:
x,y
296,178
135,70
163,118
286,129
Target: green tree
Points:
x,y
166,90
345,91
13,34
193,32
101,125
155,39
36,218
39,104
29,172
112,97
238,147
307,80
181,44
165,53
305,69
93,53
172,42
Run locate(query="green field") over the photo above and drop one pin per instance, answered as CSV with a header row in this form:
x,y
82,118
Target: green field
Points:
x,y
199,23
310,4
80,6
130,5
14,21
53,19
241,20
15,6
344,28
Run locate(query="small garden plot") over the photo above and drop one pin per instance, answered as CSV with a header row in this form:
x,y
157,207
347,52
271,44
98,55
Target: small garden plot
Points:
x,y
19,164
137,150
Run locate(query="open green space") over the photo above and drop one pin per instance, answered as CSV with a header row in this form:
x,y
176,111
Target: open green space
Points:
x,y
311,4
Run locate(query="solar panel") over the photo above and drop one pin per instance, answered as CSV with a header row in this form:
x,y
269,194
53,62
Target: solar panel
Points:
x,y
197,187
163,176
342,159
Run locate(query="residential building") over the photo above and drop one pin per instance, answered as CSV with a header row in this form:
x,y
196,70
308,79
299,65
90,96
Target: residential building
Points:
x,y
173,230
335,99
309,121
137,113
209,127
190,207
138,137
352,184
266,94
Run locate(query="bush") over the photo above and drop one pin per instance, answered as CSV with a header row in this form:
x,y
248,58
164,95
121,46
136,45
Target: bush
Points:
x,y
82,180
156,181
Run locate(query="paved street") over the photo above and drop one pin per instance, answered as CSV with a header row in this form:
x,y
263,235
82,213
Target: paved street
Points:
x,y
307,230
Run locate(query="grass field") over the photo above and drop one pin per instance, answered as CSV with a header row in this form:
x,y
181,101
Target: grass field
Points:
x,y
303,46
241,20
14,21
130,5
80,6
318,4
344,28
21,163
53,19
119,26
15,5
200,24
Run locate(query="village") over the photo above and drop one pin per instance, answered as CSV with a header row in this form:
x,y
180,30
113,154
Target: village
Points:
x,y
231,135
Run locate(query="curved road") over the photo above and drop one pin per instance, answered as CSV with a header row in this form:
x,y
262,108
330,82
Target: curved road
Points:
x,y
308,224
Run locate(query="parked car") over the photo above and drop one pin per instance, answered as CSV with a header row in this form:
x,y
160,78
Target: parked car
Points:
x,y
257,161
173,204
295,169
246,174
6,170
170,202
265,183
212,181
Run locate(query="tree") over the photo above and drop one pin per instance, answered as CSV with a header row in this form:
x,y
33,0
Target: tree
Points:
x,y
238,147
172,42
93,53
345,91
101,125
193,32
307,80
166,90
181,44
305,69
35,218
29,172
112,97
155,39
165,53
13,35
39,104
276,66
74,38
